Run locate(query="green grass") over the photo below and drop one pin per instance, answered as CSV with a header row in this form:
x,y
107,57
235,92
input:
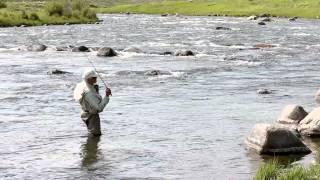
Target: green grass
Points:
x,y
272,170
283,8
50,12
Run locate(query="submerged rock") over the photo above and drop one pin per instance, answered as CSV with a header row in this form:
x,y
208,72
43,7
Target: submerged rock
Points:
x,y
275,139
292,114
264,91
37,47
57,71
223,28
310,125
184,53
166,53
264,46
106,52
261,23
62,48
80,49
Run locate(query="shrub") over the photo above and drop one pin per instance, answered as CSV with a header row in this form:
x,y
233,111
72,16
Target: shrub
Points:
x,y
34,16
80,5
88,13
55,8
3,4
24,15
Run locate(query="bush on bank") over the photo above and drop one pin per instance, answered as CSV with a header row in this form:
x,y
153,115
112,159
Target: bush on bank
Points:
x,y
51,12
272,170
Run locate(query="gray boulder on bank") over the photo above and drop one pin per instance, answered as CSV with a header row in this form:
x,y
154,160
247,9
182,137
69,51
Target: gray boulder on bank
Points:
x,y
310,125
292,114
184,53
37,47
106,52
275,139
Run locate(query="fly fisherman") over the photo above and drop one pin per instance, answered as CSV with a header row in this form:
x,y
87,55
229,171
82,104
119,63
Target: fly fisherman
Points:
x,y
86,93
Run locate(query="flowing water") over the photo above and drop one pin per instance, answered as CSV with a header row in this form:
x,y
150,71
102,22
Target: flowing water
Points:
x,y
189,122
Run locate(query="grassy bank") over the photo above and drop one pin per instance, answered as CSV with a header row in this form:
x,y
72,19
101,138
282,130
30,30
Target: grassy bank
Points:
x,y
273,170
33,13
282,8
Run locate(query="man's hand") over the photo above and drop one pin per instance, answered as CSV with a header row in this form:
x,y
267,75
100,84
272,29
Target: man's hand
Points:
x,y
108,92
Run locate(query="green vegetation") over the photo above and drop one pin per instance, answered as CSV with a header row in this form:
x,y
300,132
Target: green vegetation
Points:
x,y
50,12
274,171
283,8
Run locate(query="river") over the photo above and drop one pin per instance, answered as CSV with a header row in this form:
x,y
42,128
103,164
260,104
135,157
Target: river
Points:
x,y
189,122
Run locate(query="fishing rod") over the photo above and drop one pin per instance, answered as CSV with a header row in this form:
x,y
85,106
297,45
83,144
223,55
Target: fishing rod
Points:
x,y
94,67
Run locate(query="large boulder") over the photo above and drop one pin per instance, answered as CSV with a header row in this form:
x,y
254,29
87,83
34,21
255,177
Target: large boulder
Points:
x,y
275,139
37,47
106,52
184,53
310,125
292,114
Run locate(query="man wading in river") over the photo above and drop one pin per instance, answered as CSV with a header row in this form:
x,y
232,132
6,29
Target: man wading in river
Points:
x,y
86,93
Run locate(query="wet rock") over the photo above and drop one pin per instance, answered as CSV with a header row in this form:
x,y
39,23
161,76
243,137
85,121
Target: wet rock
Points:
x,y
57,71
166,53
267,19
317,96
264,46
80,49
293,19
127,13
261,23
106,52
37,47
292,114
275,139
264,15
164,15
264,91
133,49
222,28
252,17
156,73
63,48
310,125
184,53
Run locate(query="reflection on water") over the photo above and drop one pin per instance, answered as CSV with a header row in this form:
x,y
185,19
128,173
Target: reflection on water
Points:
x,y
90,151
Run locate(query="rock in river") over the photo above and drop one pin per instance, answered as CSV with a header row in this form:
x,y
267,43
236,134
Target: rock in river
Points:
x,y
106,52
275,139
292,114
37,47
184,53
57,71
80,49
310,125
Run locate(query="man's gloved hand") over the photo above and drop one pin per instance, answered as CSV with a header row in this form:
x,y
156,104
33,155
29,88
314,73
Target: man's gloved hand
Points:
x,y
108,92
